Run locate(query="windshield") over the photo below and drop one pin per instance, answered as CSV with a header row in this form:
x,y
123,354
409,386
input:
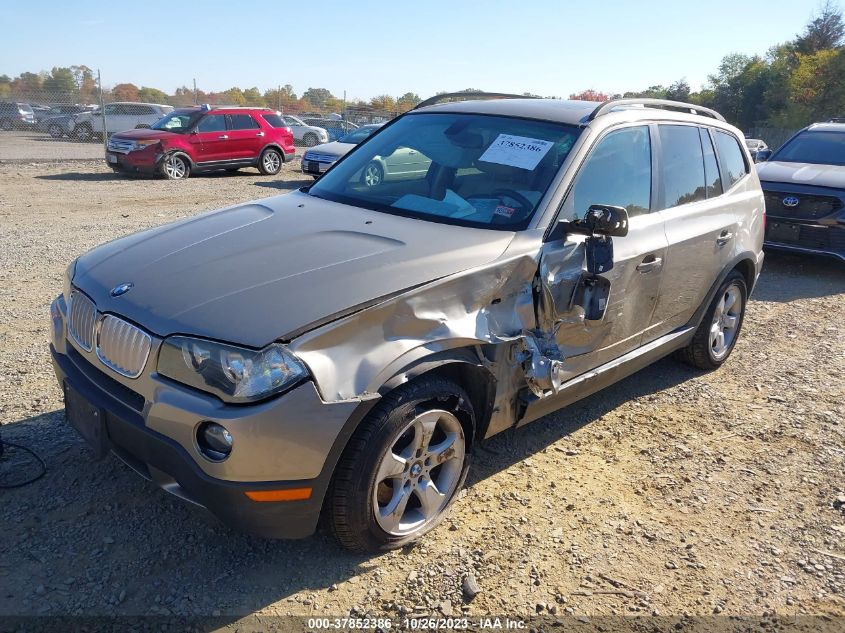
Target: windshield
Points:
x,y
822,148
179,121
467,169
357,136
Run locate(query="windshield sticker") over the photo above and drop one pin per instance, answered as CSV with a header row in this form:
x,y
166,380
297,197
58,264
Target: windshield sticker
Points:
x,y
516,151
503,210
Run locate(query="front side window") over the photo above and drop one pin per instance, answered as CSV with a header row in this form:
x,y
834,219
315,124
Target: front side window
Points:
x,y
243,122
683,165
617,172
821,148
466,169
731,158
213,123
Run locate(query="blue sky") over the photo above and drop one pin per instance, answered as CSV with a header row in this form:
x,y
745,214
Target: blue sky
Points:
x,y
374,47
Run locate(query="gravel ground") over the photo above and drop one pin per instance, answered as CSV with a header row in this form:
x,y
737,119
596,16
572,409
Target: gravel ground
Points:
x,y
673,492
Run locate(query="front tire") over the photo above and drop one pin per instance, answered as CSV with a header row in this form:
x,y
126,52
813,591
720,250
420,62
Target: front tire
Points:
x,y
373,174
403,467
55,131
83,133
270,162
175,167
718,333
310,139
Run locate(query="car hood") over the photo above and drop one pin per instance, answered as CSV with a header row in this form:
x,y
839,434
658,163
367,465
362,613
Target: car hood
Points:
x,y
142,133
802,174
274,268
335,148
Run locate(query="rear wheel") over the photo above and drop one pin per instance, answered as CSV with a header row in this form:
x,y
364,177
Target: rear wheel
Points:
x,y
56,131
83,132
270,162
310,139
403,466
716,337
175,167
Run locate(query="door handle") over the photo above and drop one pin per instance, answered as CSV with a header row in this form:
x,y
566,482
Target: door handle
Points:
x,y
650,263
724,238
223,137
260,134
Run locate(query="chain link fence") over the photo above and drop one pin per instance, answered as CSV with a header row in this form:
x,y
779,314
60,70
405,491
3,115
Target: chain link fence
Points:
x,y
43,121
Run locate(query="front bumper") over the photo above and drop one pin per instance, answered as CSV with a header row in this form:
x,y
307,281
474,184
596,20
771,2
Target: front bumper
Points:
x,y
145,162
152,428
813,223
315,168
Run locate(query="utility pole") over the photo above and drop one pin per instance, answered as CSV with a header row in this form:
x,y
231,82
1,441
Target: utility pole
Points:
x,y
344,105
196,101
103,113
279,98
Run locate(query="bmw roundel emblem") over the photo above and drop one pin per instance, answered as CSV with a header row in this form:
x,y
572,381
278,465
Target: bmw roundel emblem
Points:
x,y
791,201
122,289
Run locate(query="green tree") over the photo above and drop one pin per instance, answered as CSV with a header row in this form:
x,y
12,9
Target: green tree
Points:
x,y
60,85
678,91
317,97
234,96
824,32
152,95
383,102
253,97
407,101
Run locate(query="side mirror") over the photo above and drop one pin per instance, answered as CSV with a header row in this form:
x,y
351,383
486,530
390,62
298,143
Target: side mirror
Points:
x,y
763,155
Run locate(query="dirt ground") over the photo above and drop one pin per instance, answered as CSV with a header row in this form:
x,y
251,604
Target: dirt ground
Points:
x,y
673,492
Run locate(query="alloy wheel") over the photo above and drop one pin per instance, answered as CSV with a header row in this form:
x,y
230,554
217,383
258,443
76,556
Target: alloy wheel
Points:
x,y
419,473
372,175
726,316
174,167
271,162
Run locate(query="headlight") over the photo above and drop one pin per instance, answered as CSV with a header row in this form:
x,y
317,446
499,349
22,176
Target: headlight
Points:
x,y
69,272
145,143
235,374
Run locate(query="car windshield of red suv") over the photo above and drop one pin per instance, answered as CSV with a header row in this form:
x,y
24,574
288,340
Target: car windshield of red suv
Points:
x,y
178,121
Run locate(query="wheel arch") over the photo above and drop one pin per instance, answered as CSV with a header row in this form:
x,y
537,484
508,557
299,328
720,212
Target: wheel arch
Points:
x,y
273,145
746,264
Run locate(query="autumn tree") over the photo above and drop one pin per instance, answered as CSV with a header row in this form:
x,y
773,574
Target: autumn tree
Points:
x,y
383,102
152,95
125,92
317,97
590,95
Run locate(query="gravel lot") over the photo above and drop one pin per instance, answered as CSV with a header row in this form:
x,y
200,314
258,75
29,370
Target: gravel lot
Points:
x,y
674,492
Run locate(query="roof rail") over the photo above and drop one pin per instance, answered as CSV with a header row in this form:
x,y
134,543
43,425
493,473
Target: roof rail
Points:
x,y
664,104
451,95
836,119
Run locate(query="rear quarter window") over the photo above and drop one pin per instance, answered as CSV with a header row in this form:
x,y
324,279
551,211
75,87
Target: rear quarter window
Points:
x,y
731,158
274,120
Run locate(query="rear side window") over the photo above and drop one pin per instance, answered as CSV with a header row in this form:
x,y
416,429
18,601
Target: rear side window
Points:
x,y
617,172
212,123
731,158
711,167
274,120
243,122
683,165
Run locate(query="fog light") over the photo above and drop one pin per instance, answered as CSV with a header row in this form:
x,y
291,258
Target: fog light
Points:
x,y
215,441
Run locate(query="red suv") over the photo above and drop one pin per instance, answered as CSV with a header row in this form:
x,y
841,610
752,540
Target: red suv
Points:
x,y
203,139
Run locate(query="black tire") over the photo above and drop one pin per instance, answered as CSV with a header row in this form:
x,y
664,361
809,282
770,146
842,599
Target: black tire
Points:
x,y
700,352
373,174
6,124
175,167
310,139
270,162
56,131
350,501
83,133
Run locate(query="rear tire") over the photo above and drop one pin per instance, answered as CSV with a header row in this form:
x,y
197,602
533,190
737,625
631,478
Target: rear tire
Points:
x,y
83,133
719,330
310,139
56,131
270,162
403,466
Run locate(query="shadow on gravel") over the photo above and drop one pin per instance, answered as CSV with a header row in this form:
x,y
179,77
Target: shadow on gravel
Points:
x,y
787,277
506,449
94,538
82,177
284,185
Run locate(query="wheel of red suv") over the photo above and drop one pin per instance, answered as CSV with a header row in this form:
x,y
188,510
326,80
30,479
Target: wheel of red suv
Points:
x,y
175,167
83,132
719,330
55,131
310,139
270,162
403,466
373,174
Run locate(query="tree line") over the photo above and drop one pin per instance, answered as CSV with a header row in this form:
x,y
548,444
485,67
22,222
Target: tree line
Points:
x,y
793,84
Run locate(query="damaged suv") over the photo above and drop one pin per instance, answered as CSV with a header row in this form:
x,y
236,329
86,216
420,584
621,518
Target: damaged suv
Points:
x,y
342,348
